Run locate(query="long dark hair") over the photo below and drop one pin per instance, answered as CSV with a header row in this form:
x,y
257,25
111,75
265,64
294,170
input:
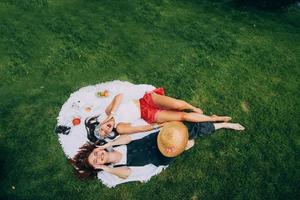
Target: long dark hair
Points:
x,y
90,125
80,161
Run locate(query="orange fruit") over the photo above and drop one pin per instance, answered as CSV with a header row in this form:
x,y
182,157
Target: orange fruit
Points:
x,y
106,93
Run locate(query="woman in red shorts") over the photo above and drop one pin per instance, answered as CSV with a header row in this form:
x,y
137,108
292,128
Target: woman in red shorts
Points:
x,y
155,108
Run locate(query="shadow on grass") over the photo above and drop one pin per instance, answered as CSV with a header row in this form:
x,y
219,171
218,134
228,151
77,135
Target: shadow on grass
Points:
x,y
6,158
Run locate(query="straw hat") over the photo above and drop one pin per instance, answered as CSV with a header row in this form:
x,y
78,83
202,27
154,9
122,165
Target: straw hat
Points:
x,y
172,139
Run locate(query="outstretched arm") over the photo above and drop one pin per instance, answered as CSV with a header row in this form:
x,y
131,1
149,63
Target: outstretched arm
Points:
x,y
113,106
122,139
122,172
126,128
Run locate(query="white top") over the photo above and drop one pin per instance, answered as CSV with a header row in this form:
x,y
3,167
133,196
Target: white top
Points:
x,y
123,150
127,112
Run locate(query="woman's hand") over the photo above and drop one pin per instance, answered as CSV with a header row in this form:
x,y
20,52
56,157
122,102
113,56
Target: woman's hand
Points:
x,y
162,124
157,126
109,117
105,146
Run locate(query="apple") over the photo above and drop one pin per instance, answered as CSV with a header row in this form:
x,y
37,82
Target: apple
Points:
x,y
76,121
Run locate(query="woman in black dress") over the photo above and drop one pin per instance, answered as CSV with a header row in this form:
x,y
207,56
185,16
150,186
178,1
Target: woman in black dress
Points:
x,y
125,153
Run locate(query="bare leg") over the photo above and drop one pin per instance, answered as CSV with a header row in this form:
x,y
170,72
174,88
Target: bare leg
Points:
x,y
167,115
170,103
234,126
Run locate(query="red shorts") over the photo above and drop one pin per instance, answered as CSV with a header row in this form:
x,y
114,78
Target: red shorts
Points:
x,y
148,108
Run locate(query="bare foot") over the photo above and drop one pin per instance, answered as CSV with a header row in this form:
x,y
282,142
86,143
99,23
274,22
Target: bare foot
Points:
x,y
226,119
235,126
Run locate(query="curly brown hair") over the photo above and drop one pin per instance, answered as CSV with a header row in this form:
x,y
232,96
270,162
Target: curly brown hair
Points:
x,y
83,169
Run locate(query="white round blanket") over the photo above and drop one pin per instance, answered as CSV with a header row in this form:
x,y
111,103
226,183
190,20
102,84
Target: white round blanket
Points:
x,y
87,102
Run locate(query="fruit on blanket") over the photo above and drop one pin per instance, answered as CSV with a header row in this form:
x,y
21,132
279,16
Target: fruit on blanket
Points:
x,y
88,109
106,93
99,94
76,121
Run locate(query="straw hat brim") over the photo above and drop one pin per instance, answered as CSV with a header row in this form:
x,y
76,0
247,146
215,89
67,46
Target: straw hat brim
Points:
x,y
174,135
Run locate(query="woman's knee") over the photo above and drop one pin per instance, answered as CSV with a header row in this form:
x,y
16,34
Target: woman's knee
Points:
x,y
184,116
180,105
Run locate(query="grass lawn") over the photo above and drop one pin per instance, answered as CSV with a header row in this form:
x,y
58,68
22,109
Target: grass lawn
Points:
x,y
224,59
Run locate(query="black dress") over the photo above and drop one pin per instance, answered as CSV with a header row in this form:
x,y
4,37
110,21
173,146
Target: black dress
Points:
x,y
145,151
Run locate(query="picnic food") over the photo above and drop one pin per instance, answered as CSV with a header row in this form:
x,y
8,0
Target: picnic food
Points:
x,y
76,121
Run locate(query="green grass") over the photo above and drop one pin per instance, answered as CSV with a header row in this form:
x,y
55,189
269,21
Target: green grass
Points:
x,y
224,59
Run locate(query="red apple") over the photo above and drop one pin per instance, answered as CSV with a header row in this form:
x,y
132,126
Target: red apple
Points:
x,y
76,121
